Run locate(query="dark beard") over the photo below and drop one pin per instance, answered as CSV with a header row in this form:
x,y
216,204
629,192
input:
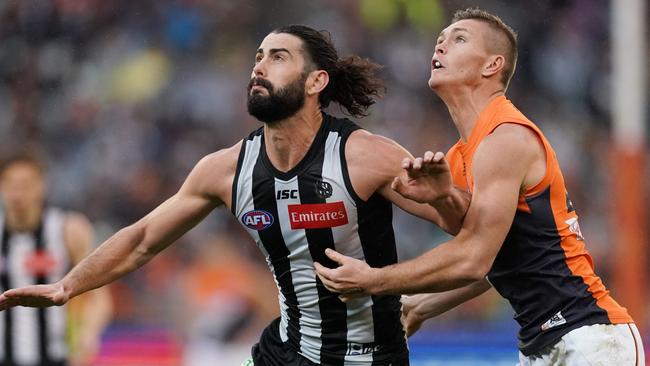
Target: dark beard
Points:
x,y
279,104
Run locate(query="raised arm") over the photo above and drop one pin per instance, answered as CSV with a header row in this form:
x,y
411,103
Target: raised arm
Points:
x,y
206,187
507,161
374,163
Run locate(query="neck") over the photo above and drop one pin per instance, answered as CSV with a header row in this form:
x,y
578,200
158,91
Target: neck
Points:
x,y
465,105
287,141
23,220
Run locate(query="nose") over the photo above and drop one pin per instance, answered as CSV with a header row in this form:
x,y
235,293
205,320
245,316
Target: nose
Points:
x,y
259,68
440,48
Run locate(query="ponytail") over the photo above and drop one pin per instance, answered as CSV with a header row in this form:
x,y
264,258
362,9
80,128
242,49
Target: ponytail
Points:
x,y
353,82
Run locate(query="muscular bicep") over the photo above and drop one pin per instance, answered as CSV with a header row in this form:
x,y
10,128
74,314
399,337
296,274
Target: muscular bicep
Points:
x,y
373,162
500,165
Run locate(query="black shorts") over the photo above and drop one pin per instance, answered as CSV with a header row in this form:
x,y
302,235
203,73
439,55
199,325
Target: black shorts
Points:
x,y
271,351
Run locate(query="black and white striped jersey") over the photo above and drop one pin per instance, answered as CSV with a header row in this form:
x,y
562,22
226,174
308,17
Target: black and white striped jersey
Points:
x,y
31,336
293,216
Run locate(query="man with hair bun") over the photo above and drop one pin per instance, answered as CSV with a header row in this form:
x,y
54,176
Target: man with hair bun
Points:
x,y
303,182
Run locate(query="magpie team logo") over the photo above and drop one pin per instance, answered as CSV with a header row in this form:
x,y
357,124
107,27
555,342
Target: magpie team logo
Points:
x,y
323,189
257,219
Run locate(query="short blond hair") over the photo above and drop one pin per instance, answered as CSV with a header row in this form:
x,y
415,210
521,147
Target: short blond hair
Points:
x,y
499,26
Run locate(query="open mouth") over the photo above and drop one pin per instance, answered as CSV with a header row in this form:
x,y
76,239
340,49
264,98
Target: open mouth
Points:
x,y
435,64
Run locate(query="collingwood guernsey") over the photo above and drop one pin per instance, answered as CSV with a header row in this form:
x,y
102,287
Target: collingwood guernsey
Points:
x,y
33,336
293,217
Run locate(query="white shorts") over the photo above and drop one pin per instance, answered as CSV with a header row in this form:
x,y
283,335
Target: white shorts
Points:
x,y
591,345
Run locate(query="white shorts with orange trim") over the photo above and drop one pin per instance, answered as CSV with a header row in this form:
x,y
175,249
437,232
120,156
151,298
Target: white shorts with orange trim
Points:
x,y
592,345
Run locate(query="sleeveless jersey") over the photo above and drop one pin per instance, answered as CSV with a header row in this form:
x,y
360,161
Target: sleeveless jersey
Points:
x,y
31,336
543,268
293,217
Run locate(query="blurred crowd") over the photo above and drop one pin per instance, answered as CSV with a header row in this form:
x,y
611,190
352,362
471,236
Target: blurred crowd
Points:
x,y
123,97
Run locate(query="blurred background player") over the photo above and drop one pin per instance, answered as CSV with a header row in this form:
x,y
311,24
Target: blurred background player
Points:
x,y
39,244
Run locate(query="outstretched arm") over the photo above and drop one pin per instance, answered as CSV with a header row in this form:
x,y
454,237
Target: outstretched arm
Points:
x,y
418,308
207,187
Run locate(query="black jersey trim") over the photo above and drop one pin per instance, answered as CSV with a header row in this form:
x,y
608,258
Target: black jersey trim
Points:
x,y
41,279
5,280
345,134
263,192
379,249
333,312
235,181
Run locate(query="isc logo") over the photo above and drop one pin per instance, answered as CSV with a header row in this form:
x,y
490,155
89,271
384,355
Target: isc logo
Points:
x,y
283,194
257,219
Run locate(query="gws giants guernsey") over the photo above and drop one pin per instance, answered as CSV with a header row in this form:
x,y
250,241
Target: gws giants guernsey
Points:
x,y
30,336
543,267
294,217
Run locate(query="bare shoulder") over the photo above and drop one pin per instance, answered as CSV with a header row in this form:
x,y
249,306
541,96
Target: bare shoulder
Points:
x,y
222,162
512,141
76,223
213,175
373,161
511,150
77,235
366,148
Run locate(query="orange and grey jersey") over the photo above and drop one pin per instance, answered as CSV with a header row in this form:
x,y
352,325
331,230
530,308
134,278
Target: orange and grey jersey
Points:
x,y
543,268
293,217
30,336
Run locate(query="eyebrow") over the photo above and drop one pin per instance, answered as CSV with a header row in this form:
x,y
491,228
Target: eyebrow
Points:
x,y
454,30
273,50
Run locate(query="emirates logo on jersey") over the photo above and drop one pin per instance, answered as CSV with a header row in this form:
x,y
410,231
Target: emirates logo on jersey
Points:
x,y
41,263
317,215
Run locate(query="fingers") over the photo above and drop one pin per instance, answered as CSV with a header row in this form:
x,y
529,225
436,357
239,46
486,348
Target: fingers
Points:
x,y
323,272
413,165
335,256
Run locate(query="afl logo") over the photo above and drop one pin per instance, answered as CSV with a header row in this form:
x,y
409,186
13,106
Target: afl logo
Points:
x,y
257,220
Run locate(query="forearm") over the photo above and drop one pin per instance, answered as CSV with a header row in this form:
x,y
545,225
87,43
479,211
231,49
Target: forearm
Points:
x,y
119,255
452,210
431,305
447,267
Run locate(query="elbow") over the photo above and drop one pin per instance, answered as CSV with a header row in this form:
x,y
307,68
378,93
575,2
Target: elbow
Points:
x,y
136,234
473,270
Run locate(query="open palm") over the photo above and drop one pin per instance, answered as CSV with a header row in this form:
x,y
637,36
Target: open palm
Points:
x,y
37,296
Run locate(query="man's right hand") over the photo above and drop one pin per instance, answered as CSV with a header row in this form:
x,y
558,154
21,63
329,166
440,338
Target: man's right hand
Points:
x,y
411,318
428,178
37,296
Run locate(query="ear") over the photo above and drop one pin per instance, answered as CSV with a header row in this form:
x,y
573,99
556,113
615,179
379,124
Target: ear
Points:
x,y
494,64
316,82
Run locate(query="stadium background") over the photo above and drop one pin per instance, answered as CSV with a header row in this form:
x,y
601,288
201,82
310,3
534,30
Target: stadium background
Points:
x,y
124,96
